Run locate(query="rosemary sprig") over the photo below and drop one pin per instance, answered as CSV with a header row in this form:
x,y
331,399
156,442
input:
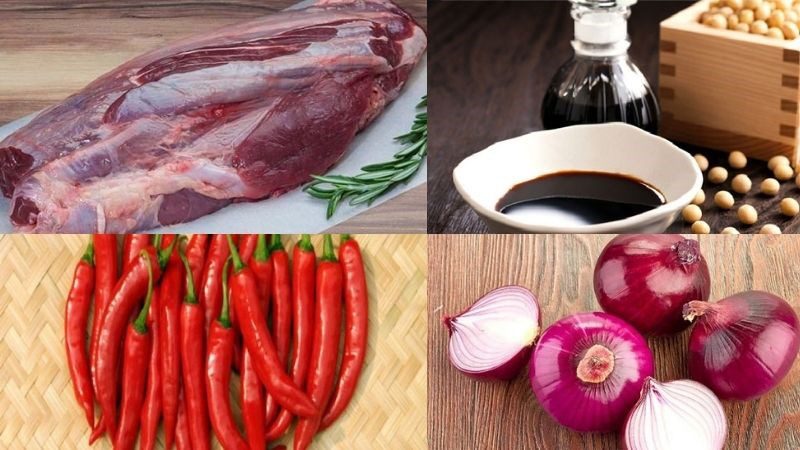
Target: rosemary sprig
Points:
x,y
377,179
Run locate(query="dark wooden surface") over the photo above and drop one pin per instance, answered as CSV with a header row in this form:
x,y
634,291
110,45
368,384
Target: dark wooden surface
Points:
x,y
467,414
491,63
51,49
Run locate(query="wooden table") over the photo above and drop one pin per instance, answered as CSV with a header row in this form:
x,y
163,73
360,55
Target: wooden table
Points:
x,y
49,50
465,413
491,63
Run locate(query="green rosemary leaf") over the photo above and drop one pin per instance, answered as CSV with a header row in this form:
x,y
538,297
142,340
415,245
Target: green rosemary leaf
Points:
x,y
336,180
410,149
372,176
404,174
379,178
333,203
367,197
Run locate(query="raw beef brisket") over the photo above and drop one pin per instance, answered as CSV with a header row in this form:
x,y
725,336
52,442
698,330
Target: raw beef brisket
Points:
x,y
241,114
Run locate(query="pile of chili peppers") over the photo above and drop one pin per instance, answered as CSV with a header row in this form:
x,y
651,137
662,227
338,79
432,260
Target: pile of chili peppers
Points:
x,y
173,318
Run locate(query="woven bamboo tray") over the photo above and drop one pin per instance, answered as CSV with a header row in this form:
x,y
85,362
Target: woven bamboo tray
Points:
x,y
37,405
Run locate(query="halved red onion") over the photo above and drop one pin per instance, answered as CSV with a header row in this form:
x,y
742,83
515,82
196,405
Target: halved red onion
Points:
x,y
647,278
677,415
588,369
743,345
493,338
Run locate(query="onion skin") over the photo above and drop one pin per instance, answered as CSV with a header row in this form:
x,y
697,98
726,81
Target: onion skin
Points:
x,y
463,354
647,278
677,415
744,345
556,382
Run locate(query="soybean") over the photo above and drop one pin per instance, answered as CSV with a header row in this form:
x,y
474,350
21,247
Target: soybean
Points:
x,y
717,175
783,172
741,184
737,160
699,197
789,207
747,214
700,227
770,229
692,213
777,160
770,186
702,162
723,199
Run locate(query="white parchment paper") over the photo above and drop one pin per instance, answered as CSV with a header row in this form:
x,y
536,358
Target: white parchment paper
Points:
x,y
296,211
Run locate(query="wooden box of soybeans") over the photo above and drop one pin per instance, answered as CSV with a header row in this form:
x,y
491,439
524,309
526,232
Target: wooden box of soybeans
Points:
x,y
726,89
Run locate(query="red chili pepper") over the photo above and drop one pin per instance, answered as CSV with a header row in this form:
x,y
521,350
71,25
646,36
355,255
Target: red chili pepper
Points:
x,y
196,254
244,293
247,245
211,290
131,287
151,411
252,391
170,295
153,402
281,310
303,283
132,245
76,316
325,351
105,247
182,441
193,363
135,361
356,323
218,376
261,266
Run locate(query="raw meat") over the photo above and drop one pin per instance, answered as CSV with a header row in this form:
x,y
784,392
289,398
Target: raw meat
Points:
x,y
240,114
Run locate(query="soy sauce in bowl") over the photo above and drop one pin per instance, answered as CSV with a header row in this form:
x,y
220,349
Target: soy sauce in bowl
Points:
x,y
572,198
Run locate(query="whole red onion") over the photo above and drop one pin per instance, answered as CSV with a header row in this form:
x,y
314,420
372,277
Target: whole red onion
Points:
x,y
647,278
742,346
493,338
588,369
676,415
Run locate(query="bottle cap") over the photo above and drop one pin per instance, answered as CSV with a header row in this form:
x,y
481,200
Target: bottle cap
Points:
x,y
601,27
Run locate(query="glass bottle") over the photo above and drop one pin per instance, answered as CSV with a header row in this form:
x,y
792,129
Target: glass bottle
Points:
x,y
600,83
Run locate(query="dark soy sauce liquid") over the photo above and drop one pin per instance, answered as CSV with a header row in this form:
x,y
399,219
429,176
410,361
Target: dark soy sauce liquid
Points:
x,y
579,198
558,112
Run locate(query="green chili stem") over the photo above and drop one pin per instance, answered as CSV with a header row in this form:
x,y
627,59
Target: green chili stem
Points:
x,y
88,255
140,325
237,260
275,243
262,249
157,241
164,254
305,243
327,249
191,296
225,315
344,238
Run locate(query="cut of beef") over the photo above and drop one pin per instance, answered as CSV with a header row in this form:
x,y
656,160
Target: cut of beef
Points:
x,y
240,114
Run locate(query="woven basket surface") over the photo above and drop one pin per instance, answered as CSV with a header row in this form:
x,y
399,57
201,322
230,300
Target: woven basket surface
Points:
x,y
37,406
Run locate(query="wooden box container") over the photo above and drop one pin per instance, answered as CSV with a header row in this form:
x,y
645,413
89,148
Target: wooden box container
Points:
x,y
728,90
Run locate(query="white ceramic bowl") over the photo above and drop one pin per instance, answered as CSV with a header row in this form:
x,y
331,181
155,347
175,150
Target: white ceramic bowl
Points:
x,y
483,178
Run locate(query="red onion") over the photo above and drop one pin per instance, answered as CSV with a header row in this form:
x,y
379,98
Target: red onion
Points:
x,y
647,278
493,338
588,369
677,415
743,345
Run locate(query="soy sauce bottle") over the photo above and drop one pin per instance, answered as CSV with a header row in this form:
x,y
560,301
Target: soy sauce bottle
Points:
x,y
600,83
